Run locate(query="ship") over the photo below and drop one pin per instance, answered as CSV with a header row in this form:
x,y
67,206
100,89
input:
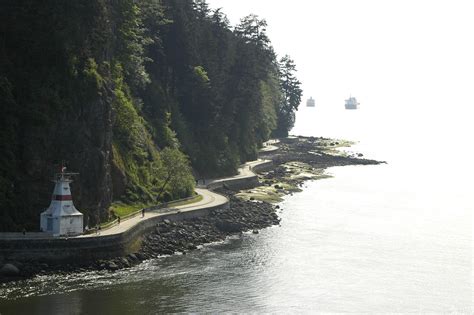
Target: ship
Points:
x,y
351,103
310,102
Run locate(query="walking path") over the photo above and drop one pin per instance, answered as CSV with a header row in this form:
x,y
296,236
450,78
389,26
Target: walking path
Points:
x,y
209,199
270,146
244,171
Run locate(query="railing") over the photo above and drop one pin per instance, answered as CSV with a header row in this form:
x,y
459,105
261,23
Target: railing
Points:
x,y
163,205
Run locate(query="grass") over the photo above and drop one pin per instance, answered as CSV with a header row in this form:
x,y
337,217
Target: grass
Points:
x,y
122,209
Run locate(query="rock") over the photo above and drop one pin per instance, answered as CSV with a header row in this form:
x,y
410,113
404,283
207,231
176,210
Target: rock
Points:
x,y
125,262
166,221
255,232
360,154
112,266
228,226
132,257
9,270
277,207
140,256
191,246
167,251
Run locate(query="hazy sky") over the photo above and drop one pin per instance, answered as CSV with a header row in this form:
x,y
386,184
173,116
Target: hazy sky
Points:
x,y
405,54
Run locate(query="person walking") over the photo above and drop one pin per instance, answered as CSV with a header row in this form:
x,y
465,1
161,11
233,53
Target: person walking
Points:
x,y
143,212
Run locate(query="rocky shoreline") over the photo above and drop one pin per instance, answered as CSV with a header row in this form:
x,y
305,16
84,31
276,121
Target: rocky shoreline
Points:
x,y
297,160
168,238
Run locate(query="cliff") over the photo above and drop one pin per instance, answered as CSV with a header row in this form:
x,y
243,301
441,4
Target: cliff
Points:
x,y
136,96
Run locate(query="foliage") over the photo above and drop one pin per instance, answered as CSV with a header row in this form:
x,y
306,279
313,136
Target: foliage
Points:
x,y
136,96
290,87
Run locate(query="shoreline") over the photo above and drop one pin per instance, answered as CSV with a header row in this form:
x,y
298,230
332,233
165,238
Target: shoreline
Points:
x,y
295,160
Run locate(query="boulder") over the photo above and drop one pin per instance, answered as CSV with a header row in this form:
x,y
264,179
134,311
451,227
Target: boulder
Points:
x,y
112,266
125,262
167,251
9,270
191,246
228,226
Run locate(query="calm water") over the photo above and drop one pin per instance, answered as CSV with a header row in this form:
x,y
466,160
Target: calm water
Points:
x,y
393,238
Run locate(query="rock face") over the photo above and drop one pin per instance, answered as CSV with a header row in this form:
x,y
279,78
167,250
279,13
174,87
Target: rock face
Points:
x,y
60,110
9,270
84,140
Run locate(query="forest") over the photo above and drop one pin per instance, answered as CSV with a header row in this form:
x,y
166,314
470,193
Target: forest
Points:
x,y
140,97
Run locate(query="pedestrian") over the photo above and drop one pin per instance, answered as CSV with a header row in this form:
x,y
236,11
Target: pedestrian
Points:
x,y
143,212
24,232
118,220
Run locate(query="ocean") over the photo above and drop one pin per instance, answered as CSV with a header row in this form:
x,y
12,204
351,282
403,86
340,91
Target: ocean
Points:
x,y
390,238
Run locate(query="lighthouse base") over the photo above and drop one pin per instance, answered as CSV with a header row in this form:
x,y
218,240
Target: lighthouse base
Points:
x,y
66,225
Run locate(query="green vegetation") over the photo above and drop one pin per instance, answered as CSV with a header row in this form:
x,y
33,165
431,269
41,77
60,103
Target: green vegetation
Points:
x,y
138,96
121,209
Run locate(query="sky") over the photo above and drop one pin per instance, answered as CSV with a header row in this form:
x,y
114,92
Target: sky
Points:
x,y
408,55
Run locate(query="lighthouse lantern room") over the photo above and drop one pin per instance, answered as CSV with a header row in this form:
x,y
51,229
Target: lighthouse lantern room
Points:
x,y
62,218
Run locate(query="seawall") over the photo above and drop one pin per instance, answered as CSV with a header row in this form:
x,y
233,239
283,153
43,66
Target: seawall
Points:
x,y
34,247
91,248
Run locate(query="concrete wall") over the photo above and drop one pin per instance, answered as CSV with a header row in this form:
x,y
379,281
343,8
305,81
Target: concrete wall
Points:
x,y
235,183
90,248
262,167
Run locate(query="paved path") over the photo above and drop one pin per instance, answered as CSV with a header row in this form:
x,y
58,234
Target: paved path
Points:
x,y
244,171
270,146
210,199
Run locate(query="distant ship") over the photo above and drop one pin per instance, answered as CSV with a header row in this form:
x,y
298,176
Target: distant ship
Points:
x,y
310,102
351,103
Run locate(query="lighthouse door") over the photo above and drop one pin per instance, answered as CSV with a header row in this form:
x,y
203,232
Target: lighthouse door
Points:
x,y
49,224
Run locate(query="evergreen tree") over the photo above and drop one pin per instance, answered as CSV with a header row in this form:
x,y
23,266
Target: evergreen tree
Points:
x,y
291,91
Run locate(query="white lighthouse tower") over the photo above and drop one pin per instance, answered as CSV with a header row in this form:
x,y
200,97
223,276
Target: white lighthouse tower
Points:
x,y
62,218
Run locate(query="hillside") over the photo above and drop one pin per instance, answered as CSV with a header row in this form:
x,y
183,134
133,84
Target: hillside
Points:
x,y
139,97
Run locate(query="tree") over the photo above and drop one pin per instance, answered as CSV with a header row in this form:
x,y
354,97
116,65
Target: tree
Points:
x,y
291,91
178,178
253,30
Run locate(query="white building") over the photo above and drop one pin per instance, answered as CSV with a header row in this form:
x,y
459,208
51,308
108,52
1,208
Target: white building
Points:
x,y
62,218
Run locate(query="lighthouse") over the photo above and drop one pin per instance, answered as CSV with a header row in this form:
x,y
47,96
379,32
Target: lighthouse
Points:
x,y
62,218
